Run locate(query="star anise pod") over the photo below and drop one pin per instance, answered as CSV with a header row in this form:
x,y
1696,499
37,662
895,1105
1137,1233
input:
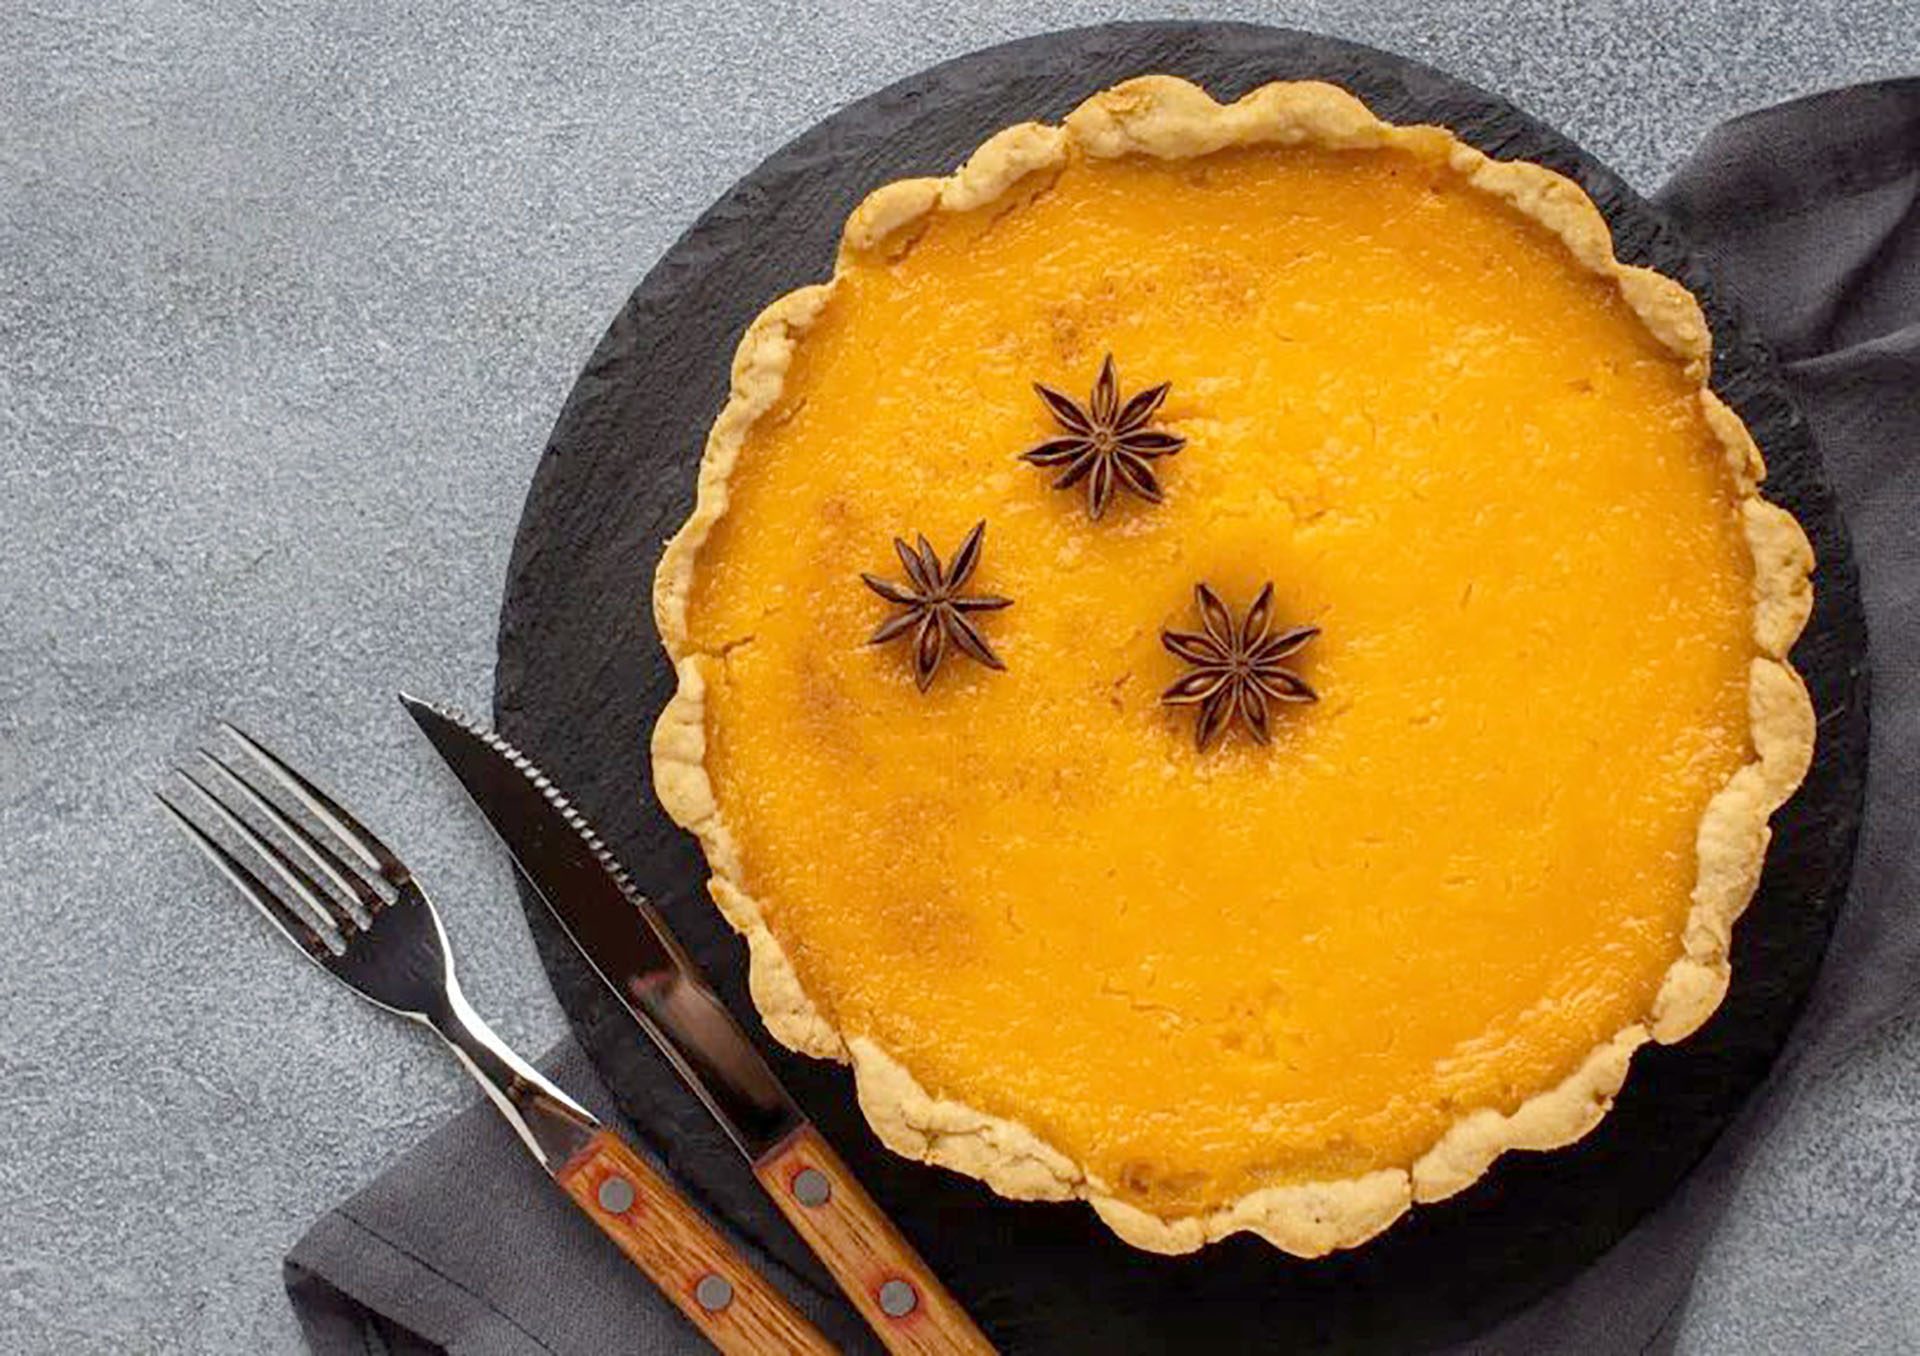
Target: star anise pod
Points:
x,y
1106,443
936,610
1237,670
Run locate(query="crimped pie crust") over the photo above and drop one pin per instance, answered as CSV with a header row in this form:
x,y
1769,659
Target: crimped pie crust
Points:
x,y
1170,119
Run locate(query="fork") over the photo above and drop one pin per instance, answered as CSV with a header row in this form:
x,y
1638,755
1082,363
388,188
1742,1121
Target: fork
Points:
x,y
353,908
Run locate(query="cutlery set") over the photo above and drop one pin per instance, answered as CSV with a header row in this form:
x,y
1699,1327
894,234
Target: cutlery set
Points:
x,y
348,902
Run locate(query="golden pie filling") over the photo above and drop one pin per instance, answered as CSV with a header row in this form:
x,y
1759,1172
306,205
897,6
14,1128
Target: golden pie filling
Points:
x,y
1198,975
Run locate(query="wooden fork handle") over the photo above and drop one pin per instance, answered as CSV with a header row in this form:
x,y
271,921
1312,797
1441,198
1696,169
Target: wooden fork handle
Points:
x,y
731,1304
878,1269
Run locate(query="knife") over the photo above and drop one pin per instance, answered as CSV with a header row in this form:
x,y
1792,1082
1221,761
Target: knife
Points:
x,y
628,945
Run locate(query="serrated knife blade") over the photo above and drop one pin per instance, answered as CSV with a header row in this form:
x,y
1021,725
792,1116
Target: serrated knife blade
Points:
x,y
615,928
624,939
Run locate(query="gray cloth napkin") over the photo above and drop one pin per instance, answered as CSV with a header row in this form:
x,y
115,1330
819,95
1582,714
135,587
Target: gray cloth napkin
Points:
x,y
1811,214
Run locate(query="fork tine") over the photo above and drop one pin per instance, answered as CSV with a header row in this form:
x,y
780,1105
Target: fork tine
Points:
x,y
323,807
290,924
343,877
305,887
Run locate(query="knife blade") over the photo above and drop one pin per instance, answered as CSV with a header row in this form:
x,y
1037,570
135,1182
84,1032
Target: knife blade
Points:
x,y
628,944
616,929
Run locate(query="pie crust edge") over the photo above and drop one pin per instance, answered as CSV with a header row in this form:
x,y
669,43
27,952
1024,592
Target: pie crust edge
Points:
x,y
1169,118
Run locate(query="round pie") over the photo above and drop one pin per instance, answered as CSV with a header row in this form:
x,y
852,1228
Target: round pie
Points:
x,y
1352,729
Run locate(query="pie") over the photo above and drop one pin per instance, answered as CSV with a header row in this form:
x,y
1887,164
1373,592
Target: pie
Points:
x,y
1117,874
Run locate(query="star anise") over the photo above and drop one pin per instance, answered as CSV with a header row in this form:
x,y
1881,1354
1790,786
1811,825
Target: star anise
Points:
x,y
1106,443
936,610
1236,670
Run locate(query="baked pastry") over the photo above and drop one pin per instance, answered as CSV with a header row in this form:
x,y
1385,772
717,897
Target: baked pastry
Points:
x,y
1118,874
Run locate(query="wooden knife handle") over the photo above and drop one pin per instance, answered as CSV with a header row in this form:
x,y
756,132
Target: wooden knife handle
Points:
x,y
731,1304
878,1269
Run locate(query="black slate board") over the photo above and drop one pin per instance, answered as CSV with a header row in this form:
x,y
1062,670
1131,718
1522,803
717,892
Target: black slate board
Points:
x,y
581,678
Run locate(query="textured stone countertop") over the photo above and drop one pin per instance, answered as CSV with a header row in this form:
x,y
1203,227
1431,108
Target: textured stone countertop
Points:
x,y
288,300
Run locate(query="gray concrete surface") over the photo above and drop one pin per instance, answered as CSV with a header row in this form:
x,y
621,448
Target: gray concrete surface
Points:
x,y
288,299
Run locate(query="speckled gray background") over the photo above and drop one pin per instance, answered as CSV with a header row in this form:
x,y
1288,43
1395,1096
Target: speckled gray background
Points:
x,y
288,300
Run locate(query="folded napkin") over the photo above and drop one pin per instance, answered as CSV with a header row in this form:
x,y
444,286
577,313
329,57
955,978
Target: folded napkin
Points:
x,y
1811,215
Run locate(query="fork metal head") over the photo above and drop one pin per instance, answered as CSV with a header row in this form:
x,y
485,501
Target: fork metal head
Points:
x,y
393,952
350,905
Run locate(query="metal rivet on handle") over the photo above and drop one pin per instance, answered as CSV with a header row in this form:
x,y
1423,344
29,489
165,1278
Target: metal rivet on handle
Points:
x,y
811,1187
714,1292
898,1299
616,1195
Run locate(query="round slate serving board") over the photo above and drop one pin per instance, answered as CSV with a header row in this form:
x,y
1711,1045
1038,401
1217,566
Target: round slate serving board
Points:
x,y
582,676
